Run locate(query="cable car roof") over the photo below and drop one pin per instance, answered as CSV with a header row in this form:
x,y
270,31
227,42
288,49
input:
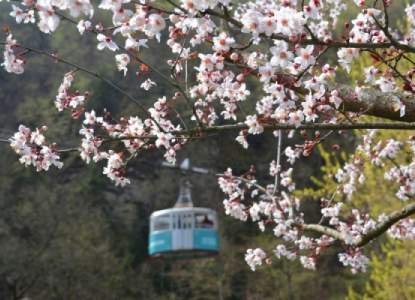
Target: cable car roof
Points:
x,y
182,209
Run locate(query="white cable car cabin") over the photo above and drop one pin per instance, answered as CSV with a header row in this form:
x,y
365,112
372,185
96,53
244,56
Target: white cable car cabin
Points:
x,y
183,232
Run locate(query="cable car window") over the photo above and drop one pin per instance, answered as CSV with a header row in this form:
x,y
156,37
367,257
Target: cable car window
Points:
x,y
162,223
187,221
203,220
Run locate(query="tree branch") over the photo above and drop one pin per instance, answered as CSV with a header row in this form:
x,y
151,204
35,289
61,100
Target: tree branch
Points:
x,y
366,238
321,229
373,102
92,73
385,225
316,42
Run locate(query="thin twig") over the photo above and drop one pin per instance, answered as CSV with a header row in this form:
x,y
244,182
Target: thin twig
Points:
x,y
278,162
96,75
328,204
247,181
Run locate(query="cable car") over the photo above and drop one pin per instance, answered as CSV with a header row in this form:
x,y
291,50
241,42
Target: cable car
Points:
x,y
183,232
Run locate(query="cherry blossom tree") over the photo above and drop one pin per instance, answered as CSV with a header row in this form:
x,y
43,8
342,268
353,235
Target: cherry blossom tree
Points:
x,y
283,45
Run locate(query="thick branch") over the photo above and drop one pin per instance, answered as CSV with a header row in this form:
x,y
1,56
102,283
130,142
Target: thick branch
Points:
x,y
305,126
385,225
190,133
195,132
375,102
371,235
323,230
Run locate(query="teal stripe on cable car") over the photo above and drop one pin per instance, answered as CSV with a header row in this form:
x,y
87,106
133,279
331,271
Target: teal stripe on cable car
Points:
x,y
205,240
159,242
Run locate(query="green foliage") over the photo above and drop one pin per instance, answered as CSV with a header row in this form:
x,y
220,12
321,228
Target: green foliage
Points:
x,y
391,275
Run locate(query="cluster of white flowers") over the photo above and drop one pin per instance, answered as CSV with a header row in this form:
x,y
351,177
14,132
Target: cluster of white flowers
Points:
x,y
332,213
403,229
115,169
24,15
233,205
274,169
277,211
308,262
376,154
355,259
348,176
360,226
90,145
254,257
359,34
281,251
292,154
11,63
304,243
31,146
286,179
122,62
106,42
285,20
48,19
65,99
254,124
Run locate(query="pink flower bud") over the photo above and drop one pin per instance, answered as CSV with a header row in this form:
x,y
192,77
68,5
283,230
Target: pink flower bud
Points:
x,y
297,83
174,18
171,42
234,56
236,85
241,77
293,38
